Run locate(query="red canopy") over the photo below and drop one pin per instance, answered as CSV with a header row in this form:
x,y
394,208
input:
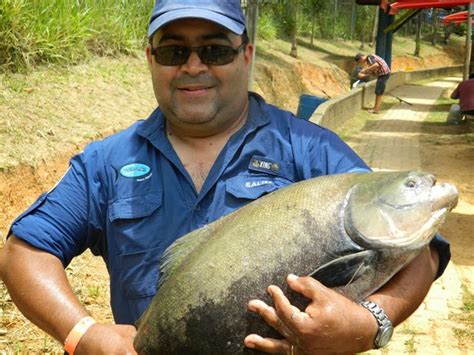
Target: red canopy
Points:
x,y
425,4
457,17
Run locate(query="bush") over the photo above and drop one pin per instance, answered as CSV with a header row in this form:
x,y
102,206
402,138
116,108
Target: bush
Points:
x,y
266,27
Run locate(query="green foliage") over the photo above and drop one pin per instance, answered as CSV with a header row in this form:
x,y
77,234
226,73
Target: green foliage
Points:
x,y
36,32
267,28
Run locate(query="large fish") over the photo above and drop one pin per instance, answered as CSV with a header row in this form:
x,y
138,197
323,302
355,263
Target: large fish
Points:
x,y
352,232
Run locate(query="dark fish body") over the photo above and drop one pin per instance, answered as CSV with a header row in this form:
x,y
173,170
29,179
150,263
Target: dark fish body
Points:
x,y
352,232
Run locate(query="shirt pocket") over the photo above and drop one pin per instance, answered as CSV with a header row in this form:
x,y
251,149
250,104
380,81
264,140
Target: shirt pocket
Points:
x,y
134,207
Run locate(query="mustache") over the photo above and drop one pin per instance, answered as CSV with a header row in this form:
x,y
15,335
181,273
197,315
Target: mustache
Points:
x,y
198,80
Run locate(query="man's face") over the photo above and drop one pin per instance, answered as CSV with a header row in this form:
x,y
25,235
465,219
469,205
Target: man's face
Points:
x,y
362,61
202,99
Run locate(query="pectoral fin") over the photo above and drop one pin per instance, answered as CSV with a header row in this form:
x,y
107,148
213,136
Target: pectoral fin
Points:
x,y
344,270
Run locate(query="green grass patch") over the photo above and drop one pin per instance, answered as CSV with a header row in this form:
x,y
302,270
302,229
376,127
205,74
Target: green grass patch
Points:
x,y
68,31
465,334
441,107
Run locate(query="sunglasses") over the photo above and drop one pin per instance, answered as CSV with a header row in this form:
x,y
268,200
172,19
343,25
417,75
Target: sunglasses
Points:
x,y
212,54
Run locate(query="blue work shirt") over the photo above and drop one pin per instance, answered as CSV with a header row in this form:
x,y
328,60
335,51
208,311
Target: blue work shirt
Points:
x,y
128,197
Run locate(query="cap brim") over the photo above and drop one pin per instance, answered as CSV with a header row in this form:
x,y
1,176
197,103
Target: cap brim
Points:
x,y
224,21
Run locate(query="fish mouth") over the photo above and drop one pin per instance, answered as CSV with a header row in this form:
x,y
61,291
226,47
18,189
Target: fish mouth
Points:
x,y
443,197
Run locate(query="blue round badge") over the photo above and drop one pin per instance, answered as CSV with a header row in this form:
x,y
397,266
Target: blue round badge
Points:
x,y
134,170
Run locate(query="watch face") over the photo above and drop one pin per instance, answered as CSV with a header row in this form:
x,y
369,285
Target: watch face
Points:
x,y
385,336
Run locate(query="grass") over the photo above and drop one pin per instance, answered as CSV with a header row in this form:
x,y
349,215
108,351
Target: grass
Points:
x,y
68,31
70,113
441,108
466,318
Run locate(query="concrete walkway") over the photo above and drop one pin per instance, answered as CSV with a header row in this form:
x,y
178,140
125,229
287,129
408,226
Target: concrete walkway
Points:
x,y
387,146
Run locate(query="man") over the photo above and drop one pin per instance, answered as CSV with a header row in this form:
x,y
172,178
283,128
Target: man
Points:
x,y
374,65
128,197
465,93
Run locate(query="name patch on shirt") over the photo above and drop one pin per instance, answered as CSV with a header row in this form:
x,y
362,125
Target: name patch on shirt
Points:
x,y
264,165
250,184
134,170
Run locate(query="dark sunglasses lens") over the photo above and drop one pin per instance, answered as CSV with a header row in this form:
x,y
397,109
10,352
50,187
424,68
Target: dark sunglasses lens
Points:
x,y
171,55
209,55
216,55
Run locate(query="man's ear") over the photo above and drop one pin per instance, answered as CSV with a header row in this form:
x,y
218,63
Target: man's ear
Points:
x,y
248,53
149,56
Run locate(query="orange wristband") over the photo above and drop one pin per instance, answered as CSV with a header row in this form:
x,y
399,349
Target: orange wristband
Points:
x,y
77,333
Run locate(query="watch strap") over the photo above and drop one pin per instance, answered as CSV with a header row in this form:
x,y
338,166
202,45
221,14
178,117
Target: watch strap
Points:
x,y
381,318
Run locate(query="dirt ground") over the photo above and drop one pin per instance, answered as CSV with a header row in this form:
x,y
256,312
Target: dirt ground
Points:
x,y
442,154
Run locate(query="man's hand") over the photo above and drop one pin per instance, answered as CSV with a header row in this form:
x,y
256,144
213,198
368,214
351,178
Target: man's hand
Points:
x,y
331,323
107,339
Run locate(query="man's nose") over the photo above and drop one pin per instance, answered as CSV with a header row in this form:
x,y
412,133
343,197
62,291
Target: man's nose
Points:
x,y
194,65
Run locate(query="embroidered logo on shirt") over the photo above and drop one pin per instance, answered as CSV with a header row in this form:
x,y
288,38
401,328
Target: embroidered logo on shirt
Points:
x,y
134,170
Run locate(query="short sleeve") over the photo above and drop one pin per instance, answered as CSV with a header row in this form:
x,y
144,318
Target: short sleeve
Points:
x,y
60,221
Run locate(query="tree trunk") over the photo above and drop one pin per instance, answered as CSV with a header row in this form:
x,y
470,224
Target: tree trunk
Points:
x,y
418,35
252,15
435,26
353,19
293,6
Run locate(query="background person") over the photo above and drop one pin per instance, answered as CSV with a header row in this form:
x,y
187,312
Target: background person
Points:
x,y
203,153
465,93
374,65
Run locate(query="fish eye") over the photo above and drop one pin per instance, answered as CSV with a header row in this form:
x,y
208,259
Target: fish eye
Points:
x,y
410,184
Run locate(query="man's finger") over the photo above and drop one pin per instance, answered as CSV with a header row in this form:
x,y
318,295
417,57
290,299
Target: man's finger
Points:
x,y
270,316
289,314
268,345
307,286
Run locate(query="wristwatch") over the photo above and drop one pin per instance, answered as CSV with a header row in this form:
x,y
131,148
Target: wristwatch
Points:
x,y
385,332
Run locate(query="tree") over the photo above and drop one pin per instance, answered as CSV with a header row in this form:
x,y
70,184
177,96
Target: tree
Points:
x,y
418,35
293,25
434,26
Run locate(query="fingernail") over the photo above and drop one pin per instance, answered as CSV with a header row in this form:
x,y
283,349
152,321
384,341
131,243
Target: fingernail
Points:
x,y
250,340
250,345
292,277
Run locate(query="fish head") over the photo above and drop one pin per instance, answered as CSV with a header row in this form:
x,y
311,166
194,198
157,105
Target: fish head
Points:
x,y
397,209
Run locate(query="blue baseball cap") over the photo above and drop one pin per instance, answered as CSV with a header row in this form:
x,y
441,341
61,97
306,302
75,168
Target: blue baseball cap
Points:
x,y
227,13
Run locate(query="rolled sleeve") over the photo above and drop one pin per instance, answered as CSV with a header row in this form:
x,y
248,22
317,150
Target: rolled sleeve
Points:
x,y
58,222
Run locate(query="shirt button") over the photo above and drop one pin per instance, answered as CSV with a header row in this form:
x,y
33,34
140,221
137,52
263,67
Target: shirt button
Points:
x,y
197,208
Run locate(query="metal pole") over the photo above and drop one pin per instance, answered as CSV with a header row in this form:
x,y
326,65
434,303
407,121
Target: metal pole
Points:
x,y
467,58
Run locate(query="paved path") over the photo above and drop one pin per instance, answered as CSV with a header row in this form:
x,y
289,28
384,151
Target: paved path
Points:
x,y
385,146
